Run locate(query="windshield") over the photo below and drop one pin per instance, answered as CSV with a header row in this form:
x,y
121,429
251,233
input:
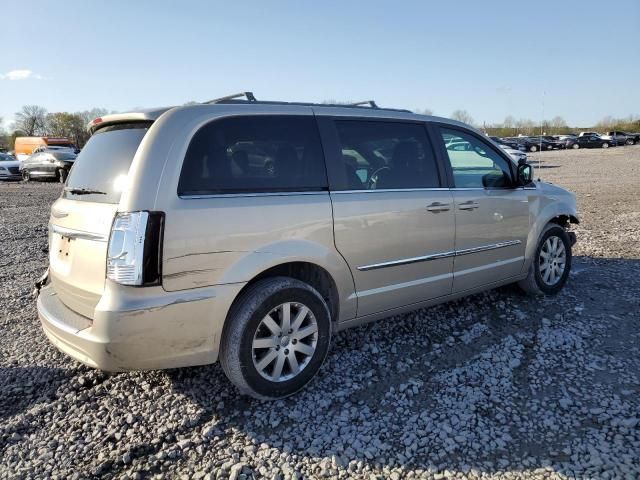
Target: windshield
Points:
x,y
103,164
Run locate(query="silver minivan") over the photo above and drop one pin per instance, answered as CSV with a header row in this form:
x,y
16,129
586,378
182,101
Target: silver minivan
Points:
x,y
250,232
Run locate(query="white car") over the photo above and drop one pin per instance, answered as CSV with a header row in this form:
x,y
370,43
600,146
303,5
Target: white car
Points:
x,y
516,155
9,168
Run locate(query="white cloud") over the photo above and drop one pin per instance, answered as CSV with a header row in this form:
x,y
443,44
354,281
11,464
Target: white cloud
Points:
x,y
20,75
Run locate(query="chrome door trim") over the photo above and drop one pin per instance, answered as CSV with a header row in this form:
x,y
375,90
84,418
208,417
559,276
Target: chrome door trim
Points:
x,y
484,248
406,261
386,190
78,234
257,194
436,256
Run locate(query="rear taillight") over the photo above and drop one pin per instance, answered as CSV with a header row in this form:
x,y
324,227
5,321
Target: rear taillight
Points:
x,y
134,254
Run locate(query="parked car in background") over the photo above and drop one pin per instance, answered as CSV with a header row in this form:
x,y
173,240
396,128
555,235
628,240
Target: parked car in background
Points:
x,y
507,142
550,142
516,155
204,259
564,137
531,145
635,136
583,134
25,146
57,148
9,167
588,141
622,138
48,164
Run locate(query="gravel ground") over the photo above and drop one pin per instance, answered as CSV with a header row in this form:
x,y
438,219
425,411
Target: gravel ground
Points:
x,y
493,386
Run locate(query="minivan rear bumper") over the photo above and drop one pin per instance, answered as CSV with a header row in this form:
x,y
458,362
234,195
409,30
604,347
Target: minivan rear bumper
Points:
x,y
180,332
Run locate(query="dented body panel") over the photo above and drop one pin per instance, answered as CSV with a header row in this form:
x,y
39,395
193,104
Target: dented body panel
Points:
x,y
214,245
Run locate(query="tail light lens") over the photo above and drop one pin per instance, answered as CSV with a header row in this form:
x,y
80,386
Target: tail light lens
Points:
x,y
134,254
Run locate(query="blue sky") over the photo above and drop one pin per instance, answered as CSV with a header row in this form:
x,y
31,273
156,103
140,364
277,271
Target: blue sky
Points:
x,y
491,58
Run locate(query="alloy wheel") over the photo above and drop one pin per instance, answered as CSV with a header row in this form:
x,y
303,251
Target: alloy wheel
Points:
x,y
284,342
552,260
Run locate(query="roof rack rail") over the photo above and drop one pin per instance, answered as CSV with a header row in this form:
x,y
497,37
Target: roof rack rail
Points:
x,y
248,95
249,98
371,103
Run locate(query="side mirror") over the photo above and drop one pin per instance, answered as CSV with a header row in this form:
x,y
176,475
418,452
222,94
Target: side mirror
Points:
x,y
525,173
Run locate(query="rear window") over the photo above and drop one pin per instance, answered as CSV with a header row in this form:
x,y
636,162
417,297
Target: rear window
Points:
x,y
103,164
254,154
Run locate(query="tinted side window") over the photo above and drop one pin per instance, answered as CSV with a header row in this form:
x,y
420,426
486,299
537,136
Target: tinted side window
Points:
x,y
386,155
475,164
254,154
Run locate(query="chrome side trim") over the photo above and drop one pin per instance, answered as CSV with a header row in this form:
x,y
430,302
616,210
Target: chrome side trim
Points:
x,y
484,248
78,234
436,256
386,190
259,194
406,261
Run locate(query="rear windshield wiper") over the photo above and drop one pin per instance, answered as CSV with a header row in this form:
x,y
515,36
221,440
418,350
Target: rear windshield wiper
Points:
x,y
83,191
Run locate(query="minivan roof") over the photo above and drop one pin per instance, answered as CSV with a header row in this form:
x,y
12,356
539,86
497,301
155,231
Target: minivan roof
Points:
x,y
152,114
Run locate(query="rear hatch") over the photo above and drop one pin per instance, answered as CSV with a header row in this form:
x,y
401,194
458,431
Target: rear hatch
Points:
x,y
81,218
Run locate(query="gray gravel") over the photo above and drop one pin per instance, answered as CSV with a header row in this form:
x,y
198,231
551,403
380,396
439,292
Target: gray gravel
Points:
x,y
493,386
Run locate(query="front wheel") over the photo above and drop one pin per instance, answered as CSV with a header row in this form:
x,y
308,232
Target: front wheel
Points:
x,y
575,146
605,145
551,263
26,176
533,148
275,338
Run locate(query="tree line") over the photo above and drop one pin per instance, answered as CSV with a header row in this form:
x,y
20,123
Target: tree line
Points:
x,y
34,120
512,127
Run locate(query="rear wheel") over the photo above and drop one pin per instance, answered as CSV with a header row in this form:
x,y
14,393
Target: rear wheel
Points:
x,y
551,264
26,176
276,337
533,148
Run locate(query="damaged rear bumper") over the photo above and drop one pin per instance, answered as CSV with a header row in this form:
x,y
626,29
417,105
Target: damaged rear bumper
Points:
x,y
136,330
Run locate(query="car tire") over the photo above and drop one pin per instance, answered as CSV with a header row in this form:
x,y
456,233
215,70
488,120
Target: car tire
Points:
x,y
575,146
539,281
26,176
62,175
605,145
533,148
253,348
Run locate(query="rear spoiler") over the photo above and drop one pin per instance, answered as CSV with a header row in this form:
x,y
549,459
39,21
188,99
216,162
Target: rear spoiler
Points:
x,y
128,117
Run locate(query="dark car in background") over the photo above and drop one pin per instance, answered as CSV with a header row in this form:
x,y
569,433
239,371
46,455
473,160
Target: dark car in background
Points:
x,y
550,141
508,142
588,141
532,144
624,138
48,164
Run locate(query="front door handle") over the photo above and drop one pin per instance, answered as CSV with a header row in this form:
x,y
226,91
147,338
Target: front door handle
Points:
x,y
470,205
437,207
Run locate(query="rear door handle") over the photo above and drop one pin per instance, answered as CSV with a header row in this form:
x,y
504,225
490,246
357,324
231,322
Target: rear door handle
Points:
x,y
470,205
437,207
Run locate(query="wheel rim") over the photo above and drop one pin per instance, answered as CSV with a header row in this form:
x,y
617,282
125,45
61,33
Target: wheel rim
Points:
x,y
285,342
552,260
576,146
605,145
